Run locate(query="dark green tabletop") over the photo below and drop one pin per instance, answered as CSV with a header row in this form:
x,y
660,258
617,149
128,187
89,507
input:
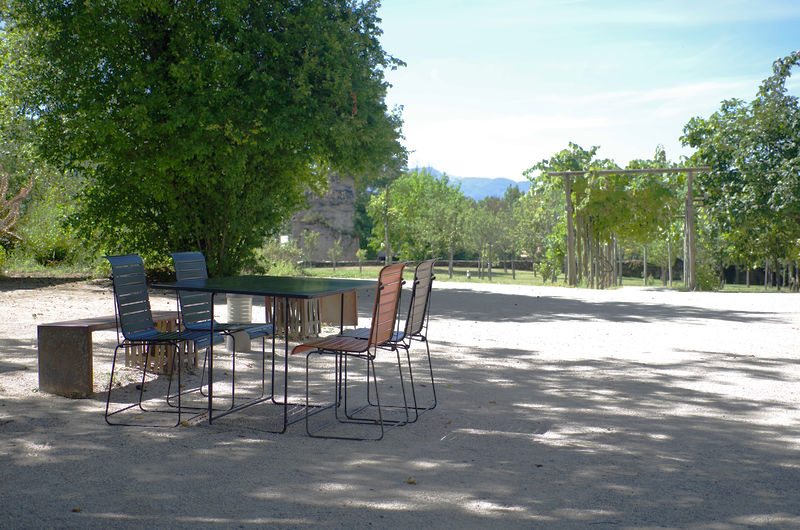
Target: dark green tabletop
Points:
x,y
277,286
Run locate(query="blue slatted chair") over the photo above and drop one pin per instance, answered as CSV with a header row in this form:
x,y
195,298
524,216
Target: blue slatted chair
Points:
x,y
135,324
415,330
195,309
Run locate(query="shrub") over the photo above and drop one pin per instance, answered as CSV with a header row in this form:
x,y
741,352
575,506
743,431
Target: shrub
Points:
x,y
44,233
279,259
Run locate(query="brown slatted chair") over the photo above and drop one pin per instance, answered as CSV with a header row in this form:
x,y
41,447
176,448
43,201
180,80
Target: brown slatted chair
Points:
x,y
340,348
415,329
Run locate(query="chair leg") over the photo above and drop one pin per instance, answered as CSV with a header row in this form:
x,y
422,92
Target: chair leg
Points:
x,y
413,407
340,399
233,379
138,403
108,413
430,368
405,406
351,414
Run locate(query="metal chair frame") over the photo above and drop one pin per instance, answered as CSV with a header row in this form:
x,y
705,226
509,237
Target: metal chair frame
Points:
x,y
415,329
382,328
195,315
135,323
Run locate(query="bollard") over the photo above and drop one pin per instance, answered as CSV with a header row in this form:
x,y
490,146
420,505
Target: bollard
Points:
x,y
240,311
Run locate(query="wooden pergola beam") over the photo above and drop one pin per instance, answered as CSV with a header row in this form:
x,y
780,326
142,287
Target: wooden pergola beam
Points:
x,y
630,171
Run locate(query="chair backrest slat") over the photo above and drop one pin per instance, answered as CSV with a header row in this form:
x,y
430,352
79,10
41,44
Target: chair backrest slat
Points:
x,y
130,294
387,300
420,298
195,306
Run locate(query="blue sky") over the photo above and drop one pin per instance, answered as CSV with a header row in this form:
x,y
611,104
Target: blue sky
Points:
x,y
492,87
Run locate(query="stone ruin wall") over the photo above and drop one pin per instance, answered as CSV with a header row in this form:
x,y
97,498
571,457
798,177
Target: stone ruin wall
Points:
x,y
332,216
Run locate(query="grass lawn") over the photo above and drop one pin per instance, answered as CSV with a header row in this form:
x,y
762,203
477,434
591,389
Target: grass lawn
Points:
x,y
501,277
28,268
459,275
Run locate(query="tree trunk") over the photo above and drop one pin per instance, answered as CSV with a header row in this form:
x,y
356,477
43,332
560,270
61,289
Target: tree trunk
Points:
x,y
614,258
387,245
766,273
571,276
594,263
450,265
584,251
489,263
783,280
644,266
669,260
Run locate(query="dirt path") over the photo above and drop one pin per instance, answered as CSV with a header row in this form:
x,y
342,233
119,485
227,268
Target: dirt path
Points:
x,y
558,408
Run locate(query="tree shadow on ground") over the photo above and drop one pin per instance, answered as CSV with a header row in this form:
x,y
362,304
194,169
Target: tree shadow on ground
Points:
x,y
588,442
463,304
33,283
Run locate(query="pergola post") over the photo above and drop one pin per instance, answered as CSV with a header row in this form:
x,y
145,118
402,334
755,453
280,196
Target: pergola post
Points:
x,y
690,279
571,263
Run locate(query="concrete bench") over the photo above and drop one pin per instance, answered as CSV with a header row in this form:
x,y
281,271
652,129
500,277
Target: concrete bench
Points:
x,y
65,353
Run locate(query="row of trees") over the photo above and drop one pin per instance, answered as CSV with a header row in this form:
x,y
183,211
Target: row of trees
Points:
x,y
425,215
748,212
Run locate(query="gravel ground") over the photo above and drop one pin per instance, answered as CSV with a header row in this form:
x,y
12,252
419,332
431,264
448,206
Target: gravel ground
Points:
x,y
558,408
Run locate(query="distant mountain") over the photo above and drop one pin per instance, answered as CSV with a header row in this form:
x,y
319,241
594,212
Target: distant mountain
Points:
x,y
479,188
432,170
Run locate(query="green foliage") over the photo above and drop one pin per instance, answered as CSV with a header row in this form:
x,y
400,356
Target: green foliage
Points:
x,y
753,148
335,252
537,216
310,241
425,215
278,259
10,208
45,236
361,255
199,126
555,252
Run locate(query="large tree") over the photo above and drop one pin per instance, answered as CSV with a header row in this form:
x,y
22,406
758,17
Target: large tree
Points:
x,y
753,148
199,124
424,216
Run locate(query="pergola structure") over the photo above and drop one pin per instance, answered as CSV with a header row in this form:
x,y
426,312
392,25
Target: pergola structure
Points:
x,y
690,272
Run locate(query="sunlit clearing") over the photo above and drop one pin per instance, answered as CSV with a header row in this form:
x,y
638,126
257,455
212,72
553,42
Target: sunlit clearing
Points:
x,y
580,515
495,433
771,519
336,486
489,508
41,452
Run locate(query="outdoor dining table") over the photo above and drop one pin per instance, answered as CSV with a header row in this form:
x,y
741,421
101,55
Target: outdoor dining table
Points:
x,y
275,287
